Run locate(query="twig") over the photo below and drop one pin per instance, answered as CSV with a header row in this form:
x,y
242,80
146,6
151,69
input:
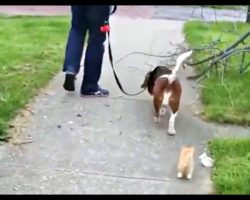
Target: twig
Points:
x,y
142,53
151,45
231,53
219,58
222,55
215,16
223,84
240,40
22,142
213,53
244,69
194,9
149,64
242,61
202,16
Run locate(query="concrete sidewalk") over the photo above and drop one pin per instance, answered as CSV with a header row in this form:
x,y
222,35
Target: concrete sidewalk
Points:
x,y
110,145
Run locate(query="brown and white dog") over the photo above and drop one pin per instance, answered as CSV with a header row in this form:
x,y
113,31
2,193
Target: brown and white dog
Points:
x,y
163,84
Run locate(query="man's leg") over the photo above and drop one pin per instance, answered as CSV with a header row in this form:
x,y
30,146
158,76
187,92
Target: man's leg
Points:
x,y
74,46
96,16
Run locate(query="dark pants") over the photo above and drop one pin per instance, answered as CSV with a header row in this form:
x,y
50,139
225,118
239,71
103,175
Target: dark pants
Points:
x,y
85,18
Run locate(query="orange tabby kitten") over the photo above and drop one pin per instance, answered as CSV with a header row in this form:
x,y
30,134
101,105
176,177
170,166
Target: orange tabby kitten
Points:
x,y
186,162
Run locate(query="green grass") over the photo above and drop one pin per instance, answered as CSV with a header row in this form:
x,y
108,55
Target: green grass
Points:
x,y
32,50
227,7
231,173
230,104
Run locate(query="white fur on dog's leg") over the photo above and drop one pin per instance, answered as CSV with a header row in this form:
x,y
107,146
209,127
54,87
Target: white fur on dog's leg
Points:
x,y
166,98
162,111
157,119
171,129
179,175
171,132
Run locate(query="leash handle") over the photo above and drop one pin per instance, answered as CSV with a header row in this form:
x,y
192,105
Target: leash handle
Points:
x,y
115,75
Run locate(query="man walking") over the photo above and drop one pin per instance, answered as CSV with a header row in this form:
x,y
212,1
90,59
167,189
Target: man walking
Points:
x,y
86,18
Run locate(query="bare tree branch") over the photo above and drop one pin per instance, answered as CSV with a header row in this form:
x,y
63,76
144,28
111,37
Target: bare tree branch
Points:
x,y
222,55
142,53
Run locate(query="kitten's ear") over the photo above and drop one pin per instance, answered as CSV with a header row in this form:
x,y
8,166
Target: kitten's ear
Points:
x,y
145,83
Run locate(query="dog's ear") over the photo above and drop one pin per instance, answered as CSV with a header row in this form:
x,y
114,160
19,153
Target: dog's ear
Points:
x,y
145,83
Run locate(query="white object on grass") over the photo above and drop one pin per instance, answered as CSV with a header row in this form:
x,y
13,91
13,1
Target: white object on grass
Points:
x,y
206,161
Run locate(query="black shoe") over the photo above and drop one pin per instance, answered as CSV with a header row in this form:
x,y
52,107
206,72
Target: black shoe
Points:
x,y
98,93
69,83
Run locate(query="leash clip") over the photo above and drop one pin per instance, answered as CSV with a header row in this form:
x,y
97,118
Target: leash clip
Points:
x,y
105,28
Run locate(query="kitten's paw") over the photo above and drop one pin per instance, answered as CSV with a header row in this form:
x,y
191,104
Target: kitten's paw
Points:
x,y
157,119
179,175
189,176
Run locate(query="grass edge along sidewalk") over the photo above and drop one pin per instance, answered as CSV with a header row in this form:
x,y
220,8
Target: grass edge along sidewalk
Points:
x,y
32,50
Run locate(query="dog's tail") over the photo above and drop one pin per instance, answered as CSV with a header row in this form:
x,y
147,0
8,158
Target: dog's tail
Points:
x,y
181,58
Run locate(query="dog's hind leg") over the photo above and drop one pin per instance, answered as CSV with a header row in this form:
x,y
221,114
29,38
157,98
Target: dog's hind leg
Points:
x,y
165,103
174,105
171,128
157,105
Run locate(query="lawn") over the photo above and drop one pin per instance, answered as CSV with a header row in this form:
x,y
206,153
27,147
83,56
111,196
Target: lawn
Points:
x,y
231,174
32,50
228,102
227,7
